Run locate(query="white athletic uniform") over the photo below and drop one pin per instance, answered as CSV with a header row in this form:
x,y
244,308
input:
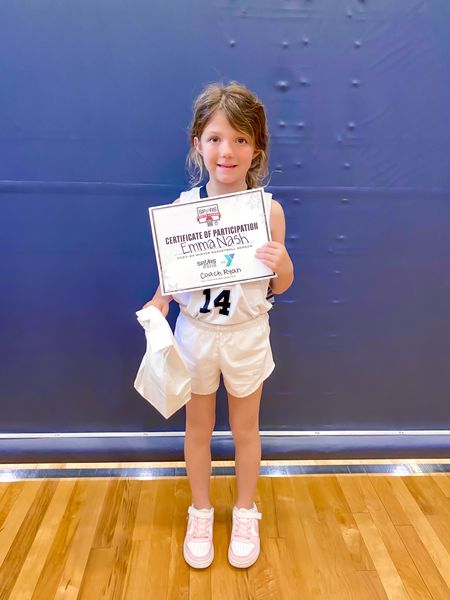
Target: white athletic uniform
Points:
x,y
225,330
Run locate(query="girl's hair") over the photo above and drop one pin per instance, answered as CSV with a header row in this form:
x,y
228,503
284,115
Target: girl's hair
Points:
x,y
245,113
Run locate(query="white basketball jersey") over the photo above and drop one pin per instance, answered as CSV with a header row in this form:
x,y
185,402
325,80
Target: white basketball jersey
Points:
x,y
231,304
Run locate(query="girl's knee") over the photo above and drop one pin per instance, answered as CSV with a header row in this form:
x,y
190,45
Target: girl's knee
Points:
x,y
200,431
245,435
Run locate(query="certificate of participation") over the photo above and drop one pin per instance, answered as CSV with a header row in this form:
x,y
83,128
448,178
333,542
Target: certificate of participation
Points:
x,y
210,242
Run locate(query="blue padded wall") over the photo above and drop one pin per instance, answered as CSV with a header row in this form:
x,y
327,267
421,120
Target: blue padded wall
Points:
x,y
94,108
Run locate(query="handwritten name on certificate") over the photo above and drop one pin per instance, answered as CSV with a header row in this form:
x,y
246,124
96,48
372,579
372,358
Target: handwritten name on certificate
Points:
x,y
211,242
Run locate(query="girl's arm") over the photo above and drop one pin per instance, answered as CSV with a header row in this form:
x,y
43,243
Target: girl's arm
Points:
x,y
274,253
160,301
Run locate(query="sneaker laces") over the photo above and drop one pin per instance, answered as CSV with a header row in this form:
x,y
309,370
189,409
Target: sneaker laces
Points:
x,y
242,528
201,523
243,524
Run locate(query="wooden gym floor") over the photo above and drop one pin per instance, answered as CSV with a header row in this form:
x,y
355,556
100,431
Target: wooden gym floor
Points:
x,y
335,530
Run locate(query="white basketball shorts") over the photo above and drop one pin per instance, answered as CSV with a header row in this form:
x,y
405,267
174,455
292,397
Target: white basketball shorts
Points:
x,y
241,352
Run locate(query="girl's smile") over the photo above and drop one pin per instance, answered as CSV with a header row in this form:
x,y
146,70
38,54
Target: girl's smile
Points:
x,y
227,167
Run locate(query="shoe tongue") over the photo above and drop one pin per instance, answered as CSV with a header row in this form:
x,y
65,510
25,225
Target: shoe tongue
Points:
x,y
203,513
245,511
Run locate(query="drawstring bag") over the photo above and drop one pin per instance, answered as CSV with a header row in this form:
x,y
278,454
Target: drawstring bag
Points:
x,y
163,378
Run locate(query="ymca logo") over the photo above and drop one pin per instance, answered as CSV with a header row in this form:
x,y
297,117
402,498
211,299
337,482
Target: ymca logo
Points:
x,y
229,259
208,214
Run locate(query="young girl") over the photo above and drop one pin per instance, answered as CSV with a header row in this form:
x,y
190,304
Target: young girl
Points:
x,y
226,330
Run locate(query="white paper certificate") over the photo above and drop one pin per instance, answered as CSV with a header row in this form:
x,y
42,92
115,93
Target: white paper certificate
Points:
x,y
210,242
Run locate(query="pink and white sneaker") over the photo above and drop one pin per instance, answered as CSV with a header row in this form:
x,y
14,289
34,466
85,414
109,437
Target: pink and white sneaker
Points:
x,y
244,544
198,549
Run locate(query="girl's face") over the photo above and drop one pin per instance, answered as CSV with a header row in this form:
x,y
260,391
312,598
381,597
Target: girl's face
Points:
x,y
227,154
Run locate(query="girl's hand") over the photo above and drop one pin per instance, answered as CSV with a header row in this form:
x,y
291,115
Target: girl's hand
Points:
x,y
160,303
275,256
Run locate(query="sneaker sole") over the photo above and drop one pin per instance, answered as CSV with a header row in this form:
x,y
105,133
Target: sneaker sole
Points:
x,y
241,565
199,564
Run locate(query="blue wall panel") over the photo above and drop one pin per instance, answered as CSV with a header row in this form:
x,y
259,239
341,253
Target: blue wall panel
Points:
x,y
94,109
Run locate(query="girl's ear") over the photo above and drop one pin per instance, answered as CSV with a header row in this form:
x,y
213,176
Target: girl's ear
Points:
x,y
197,145
256,153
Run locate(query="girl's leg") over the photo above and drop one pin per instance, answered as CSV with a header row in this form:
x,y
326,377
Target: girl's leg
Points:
x,y
200,419
244,423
